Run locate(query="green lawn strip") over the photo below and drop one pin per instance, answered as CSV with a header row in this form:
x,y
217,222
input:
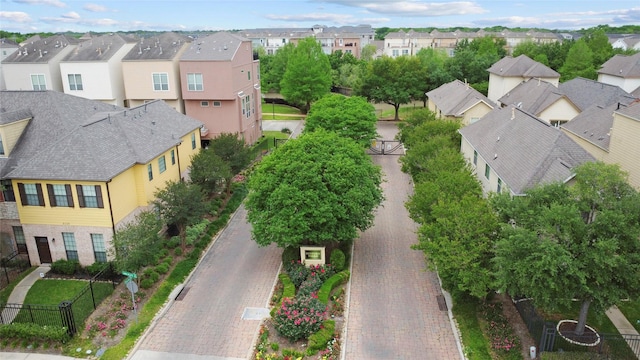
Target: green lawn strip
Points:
x,y
53,291
402,112
279,109
631,310
267,142
6,292
475,345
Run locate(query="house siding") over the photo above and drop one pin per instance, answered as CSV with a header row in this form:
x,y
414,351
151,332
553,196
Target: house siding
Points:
x,y
561,110
624,148
11,134
138,82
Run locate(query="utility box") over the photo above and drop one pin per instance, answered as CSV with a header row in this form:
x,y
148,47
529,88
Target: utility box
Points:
x,y
532,352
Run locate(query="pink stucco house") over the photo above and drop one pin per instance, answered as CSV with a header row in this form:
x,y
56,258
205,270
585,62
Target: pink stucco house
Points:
x,y
220,80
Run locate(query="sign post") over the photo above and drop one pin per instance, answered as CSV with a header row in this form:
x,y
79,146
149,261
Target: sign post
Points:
x,y
133,288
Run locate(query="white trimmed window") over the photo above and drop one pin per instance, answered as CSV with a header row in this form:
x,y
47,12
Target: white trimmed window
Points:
x,y
194,82
38,82
475,157
150,172
90,196
75,82
173,157
99,250
217,103
487,171
160,82
204,103
32,194
193,141
162,164
70,246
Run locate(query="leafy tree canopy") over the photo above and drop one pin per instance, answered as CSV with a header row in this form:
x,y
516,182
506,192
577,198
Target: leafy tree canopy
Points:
x,y
210,171
232,150
136,243
272,68
316,189
579,62
351,117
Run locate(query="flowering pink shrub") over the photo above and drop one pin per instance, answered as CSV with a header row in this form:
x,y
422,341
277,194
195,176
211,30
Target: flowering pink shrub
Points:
x,y
300,317
499,330
297,272
321,271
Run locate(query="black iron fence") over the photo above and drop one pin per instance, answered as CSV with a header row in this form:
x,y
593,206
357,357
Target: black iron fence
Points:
x,y
614,346
11,267
70,313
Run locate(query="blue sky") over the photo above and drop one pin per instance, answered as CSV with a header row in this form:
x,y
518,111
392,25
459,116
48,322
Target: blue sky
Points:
x,y
61,15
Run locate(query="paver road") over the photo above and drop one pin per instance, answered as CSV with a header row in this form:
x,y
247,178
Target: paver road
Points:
x,y
393,313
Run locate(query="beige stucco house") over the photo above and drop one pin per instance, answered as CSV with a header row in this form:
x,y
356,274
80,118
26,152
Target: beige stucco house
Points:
x,y
623,71
512,150
151,70
458,101
36,64
610,134
509,72
220,82
93,70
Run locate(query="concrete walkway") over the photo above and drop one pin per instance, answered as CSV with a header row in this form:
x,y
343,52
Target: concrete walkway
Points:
x,y
624,327
19,293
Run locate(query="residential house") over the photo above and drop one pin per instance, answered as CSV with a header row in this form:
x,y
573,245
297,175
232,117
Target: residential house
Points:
x,y
585,93
512,150
75,170
220,80
459,101
151,70
36,64
610,133
515,38
623,71
509,72
402,43
543,100
93,70
627,42
7,47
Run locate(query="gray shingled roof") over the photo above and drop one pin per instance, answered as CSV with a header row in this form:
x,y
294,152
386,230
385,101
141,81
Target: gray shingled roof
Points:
x,y
522,66
593,125
162,47
100,48
632,110
221,46
72,138
456,97
585,93
625,66
40,51
524,150
533,96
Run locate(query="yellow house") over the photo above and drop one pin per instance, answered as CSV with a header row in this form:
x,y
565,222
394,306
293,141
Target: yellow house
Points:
x,y
79,169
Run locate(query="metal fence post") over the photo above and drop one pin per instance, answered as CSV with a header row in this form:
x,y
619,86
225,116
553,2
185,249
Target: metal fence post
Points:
x,y
66,314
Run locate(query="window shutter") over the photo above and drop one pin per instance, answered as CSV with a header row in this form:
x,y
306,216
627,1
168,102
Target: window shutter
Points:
x,y
67,188
80,196
52,197
99,196
23,195
40,194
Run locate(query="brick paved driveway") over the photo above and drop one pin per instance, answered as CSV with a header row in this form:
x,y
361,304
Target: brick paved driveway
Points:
x,y
393,313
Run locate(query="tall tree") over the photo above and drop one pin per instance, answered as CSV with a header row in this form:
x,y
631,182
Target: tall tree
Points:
x,y
273,69
233,150
579,63
136,243
433,61
180,204
319,188
393,81
580,242
210,171
472,59
351,117
600,46
308,74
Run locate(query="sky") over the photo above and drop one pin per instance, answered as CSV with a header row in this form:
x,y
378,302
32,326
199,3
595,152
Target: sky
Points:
x,y
28,16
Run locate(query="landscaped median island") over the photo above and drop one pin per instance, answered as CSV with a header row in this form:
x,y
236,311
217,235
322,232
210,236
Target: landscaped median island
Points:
x,y
307,311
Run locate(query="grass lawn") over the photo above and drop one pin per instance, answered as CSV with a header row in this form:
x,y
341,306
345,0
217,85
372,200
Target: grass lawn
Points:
x,y
476,346
280,112
267,142
6,292
631,310
402,112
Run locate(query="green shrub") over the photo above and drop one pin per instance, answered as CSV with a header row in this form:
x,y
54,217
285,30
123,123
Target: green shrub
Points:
x,y
151,274
319,340
290,254
31,331
275,346
163,253
194,232
337,259
310,286
146,283
168,260
95,268
330,284
173,243
65,267
298,318
163,268
289,290
177,252
321,271
297,272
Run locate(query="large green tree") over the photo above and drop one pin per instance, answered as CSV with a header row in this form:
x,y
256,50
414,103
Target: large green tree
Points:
x,y
472,59
233,150
434,60
579,62
307,77
351,117
317,189
394,81
136,243
180,204
210,171
580,242
600,46
273,67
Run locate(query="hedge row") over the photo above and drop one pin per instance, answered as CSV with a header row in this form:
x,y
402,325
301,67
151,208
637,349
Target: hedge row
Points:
x,y
332,283
319,340
34,332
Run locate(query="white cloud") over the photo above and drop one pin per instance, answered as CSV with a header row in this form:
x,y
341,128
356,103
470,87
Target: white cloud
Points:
x,y
415,7
95,8
71,15
318,17
55,3
15,16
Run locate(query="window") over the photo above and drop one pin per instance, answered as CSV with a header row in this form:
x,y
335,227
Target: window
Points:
x,y
31,194
217,104
499,185
395,53
194,82
405,52
90,196
173,157
150,172
99,250
70,246
246,102
18,234
75,82
557,123
160,82
193,140
7,190
38,82
1,146
487,171
162,164
475,157
204,103
249,75
474,119
60,195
